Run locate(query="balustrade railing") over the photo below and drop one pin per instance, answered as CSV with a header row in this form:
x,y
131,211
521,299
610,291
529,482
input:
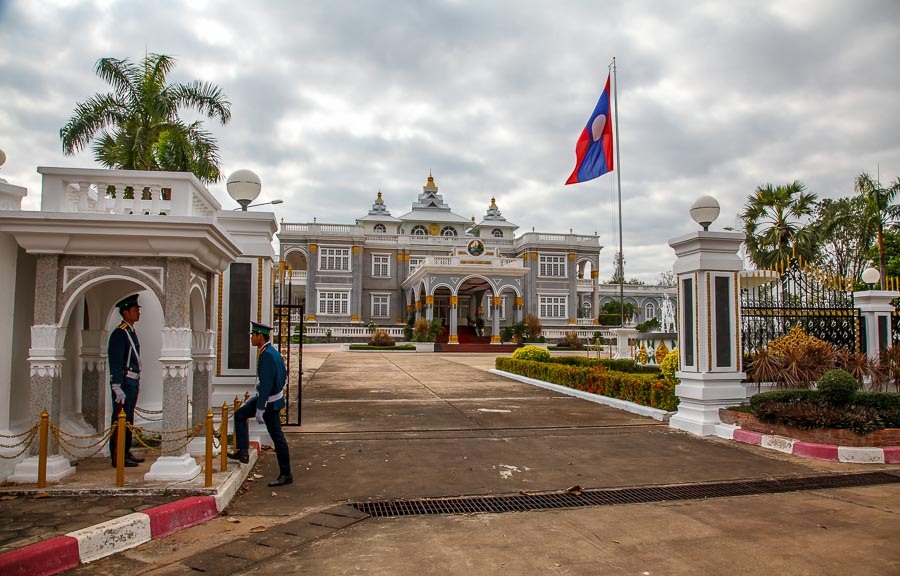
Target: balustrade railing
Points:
x,y
129,192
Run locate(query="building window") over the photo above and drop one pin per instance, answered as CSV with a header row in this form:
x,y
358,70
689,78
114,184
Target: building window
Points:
x,y
553,266
381,305
490,308
381,266
419,230
415,262
497,233
380,229
334,303
554,306
448,231
334,259
649,312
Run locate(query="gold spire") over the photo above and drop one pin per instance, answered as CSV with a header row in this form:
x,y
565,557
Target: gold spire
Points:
x,y
493,202
379,197
473,218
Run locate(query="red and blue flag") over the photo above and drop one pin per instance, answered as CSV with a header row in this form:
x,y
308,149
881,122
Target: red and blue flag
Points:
x,y
594,150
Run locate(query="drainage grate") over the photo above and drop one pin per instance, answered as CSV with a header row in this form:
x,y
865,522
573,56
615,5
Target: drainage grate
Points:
x,y
613,496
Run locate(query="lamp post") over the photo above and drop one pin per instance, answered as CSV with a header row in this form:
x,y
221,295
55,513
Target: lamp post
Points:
x,y
276,201
244,187
871,276
704,211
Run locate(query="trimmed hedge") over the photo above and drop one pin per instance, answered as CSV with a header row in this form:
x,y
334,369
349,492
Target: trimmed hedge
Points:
x,y
382,348
621,365
644,389
808,409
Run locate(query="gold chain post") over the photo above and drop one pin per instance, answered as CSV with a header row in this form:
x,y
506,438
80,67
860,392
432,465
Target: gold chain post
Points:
x,y
209,448
223,439
42,449
237,404
120,448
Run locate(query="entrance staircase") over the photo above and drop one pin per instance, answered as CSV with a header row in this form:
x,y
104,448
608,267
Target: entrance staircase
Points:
x,y
469,342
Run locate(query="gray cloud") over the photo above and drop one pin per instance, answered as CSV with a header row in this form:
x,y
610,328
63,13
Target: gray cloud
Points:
x,y
333,101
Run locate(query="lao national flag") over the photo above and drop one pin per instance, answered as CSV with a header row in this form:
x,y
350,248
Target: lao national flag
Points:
x,y
594,150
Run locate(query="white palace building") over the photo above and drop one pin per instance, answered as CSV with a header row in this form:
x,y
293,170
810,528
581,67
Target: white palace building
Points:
x,y
443,265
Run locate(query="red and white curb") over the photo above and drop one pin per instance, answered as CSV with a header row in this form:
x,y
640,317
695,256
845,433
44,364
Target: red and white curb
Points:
x,y
851,454
120,534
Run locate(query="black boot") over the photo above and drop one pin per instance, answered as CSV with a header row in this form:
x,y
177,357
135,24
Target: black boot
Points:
x,y
133,458
282,480
242,456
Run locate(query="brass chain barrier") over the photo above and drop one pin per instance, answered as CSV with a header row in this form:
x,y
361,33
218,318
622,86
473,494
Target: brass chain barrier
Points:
x,y
64,444
20,434
31,434
145,411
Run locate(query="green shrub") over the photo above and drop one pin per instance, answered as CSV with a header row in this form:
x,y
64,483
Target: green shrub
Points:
x,y
837,387
532,353
506,334
669,366
807,409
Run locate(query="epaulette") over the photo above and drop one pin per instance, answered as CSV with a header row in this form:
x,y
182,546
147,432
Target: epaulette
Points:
x,y
123,325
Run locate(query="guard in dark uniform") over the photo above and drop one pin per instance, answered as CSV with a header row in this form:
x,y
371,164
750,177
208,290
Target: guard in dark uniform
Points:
x,y
124,357
265,404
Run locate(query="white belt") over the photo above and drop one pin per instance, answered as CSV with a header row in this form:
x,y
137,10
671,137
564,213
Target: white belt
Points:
x,y
275,397
132,375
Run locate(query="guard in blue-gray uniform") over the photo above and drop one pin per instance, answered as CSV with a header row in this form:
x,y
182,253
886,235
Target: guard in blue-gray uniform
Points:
x,y
265,404
124,357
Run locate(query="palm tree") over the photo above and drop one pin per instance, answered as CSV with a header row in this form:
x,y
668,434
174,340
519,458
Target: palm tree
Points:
x,y
137,125
773,220
880,211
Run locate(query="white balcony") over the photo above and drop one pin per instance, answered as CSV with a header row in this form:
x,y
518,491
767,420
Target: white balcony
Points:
x,y
129,192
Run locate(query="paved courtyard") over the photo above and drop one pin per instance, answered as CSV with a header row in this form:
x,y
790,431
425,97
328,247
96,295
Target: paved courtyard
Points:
x,y
387,426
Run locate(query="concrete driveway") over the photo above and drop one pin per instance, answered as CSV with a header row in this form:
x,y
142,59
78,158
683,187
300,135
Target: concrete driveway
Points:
x,y
394,426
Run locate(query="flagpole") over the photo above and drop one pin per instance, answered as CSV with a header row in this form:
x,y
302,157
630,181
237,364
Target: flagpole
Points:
x,y
619,190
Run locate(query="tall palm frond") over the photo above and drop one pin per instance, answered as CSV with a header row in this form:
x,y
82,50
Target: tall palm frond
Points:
x,y
775,223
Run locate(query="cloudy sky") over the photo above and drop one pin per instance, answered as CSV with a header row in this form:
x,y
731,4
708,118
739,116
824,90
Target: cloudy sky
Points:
x,y
333,101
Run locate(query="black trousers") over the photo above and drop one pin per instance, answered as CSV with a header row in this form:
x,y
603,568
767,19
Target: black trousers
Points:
x,y
131,389
273,427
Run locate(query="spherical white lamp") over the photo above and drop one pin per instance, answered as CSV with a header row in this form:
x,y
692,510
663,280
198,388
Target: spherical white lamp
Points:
x,y
2,162
871,276
704,211
244,187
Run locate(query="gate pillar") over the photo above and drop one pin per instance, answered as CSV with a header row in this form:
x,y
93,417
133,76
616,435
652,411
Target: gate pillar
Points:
x,y
709,338
875,308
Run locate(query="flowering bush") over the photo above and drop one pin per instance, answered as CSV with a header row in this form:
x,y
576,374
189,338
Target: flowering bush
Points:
x,y
644,389
381,337
532,353
669,366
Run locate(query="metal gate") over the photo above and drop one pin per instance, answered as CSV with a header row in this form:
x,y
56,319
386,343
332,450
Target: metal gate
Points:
x,y
288,324
774,301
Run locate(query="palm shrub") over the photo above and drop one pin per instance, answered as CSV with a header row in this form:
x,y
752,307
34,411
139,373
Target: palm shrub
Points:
x,y
571,340
420,329
534,327
381,337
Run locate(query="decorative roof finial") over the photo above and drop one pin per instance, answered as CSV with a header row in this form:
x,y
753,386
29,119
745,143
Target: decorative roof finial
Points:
x,y
493,202
379,197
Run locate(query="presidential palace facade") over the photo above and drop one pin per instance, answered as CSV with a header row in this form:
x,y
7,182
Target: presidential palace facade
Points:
x,y
439,264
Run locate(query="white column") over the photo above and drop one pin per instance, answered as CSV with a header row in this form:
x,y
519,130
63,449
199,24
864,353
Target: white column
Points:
x,y
204,355
453,312
495,319
175,464
709,337
46,358
875,307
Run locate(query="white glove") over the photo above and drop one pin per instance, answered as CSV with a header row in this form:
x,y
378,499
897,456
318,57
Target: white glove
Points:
x,y
120,396
259,417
